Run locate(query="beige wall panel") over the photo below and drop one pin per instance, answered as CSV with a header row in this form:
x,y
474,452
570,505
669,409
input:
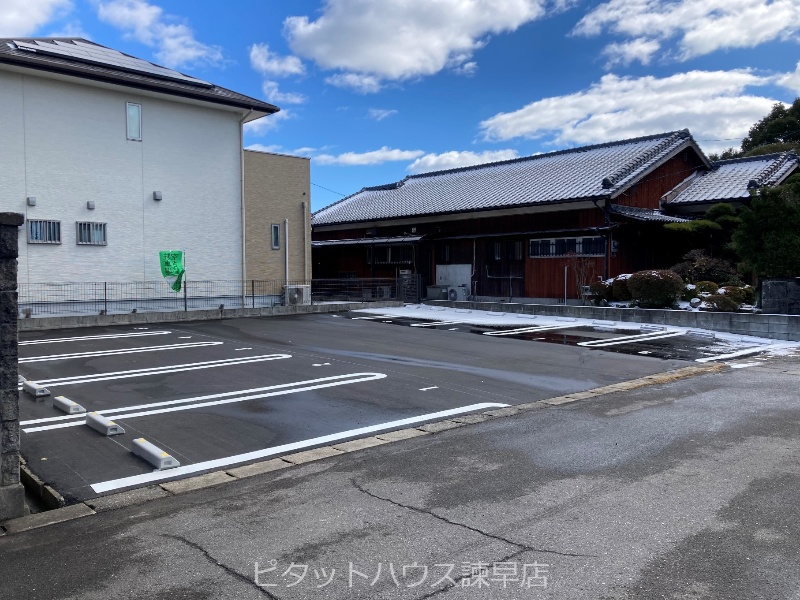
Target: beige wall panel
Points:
x,y
277,187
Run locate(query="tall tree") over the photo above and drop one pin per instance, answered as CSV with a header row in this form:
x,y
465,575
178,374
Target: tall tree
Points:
x,y
768,237
780,126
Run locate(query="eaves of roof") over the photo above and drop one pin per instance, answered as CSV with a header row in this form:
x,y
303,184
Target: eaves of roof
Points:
x,y
107,74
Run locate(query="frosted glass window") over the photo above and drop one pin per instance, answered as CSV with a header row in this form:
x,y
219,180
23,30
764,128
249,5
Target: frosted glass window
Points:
x,y
134,121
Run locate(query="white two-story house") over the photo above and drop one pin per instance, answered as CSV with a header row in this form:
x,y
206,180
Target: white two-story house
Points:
x,y
112,159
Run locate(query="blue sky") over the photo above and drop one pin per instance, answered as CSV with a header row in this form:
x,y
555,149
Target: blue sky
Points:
x,y
375,90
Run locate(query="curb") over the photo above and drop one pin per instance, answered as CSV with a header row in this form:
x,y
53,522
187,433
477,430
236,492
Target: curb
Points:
x,y
207,480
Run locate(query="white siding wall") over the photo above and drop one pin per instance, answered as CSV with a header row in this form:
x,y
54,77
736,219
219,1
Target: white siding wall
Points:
x,y
65,144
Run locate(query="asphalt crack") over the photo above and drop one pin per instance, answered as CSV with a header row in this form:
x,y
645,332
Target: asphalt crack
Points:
x,y
221,565
499,538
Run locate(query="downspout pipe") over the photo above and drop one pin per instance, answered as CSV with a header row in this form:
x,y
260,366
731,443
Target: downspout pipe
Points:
x,y
306,274
607,219
286,247
241,188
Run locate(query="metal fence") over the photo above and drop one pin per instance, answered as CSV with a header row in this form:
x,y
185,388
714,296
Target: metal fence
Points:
x,y
108,297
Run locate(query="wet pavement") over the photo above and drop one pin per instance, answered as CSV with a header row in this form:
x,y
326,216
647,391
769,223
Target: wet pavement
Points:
x,y
653,341
235,391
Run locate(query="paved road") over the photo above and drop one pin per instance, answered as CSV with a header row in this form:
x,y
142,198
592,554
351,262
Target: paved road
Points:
x,y
683,490
307,376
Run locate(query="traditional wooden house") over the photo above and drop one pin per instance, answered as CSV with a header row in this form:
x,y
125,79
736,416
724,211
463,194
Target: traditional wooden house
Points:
x,y
540,227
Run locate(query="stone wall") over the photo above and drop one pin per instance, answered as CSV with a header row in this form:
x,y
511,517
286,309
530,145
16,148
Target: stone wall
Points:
x,y
780,295
12,496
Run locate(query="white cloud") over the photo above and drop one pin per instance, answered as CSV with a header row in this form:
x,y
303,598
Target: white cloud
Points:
x,y
712,104
269,63
267,123
791,81
262,148
278,149
394,40
273,94
640,49
702,26
454,160
468,69
21,18
379,114
363,84
73,29
174,41
375,157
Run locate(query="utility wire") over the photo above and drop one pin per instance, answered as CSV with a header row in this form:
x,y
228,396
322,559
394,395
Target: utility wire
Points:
x,y
328,190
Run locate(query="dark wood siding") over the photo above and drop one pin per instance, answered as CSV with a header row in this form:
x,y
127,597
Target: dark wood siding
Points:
x,y
647,192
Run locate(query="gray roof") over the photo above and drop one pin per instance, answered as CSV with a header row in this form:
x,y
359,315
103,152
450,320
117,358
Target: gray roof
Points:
x,y
731,180
645,214
53,56
587,173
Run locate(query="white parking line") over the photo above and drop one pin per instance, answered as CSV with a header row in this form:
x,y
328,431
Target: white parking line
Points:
x,y
437,323
744,352
531,329
161,370
91,337
631,339
115,484
115,352
213,400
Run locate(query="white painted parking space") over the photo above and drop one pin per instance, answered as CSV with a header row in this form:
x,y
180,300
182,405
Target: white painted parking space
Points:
x,y
631,339
115,484
161,370
92,337
520,330
96,353
437,323
206,401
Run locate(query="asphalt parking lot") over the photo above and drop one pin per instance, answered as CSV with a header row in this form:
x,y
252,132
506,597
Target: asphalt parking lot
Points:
x,y
222,393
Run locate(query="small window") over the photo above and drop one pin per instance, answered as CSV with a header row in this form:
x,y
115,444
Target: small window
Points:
x,y
517,251
44,232
276,236
134,120
90,234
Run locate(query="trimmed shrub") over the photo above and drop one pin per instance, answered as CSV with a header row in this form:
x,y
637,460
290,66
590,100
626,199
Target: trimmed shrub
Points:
x,y
601,291
706,287
698,266
734,293
689,292
719,303
619,289
655,289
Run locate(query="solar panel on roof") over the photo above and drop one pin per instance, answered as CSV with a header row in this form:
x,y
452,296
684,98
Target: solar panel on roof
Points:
x,y
100,55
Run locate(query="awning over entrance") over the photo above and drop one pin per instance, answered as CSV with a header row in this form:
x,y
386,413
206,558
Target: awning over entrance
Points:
x,y
374,241
645,214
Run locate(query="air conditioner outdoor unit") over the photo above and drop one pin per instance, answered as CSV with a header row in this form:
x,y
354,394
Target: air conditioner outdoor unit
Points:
x,y
297,294
457,293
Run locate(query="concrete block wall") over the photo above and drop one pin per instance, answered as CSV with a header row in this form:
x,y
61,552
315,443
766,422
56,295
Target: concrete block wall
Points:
x,y
776,327
12,495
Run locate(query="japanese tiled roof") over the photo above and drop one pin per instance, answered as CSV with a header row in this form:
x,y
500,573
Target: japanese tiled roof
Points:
x,y
12,54
587,173
732,179
644,214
